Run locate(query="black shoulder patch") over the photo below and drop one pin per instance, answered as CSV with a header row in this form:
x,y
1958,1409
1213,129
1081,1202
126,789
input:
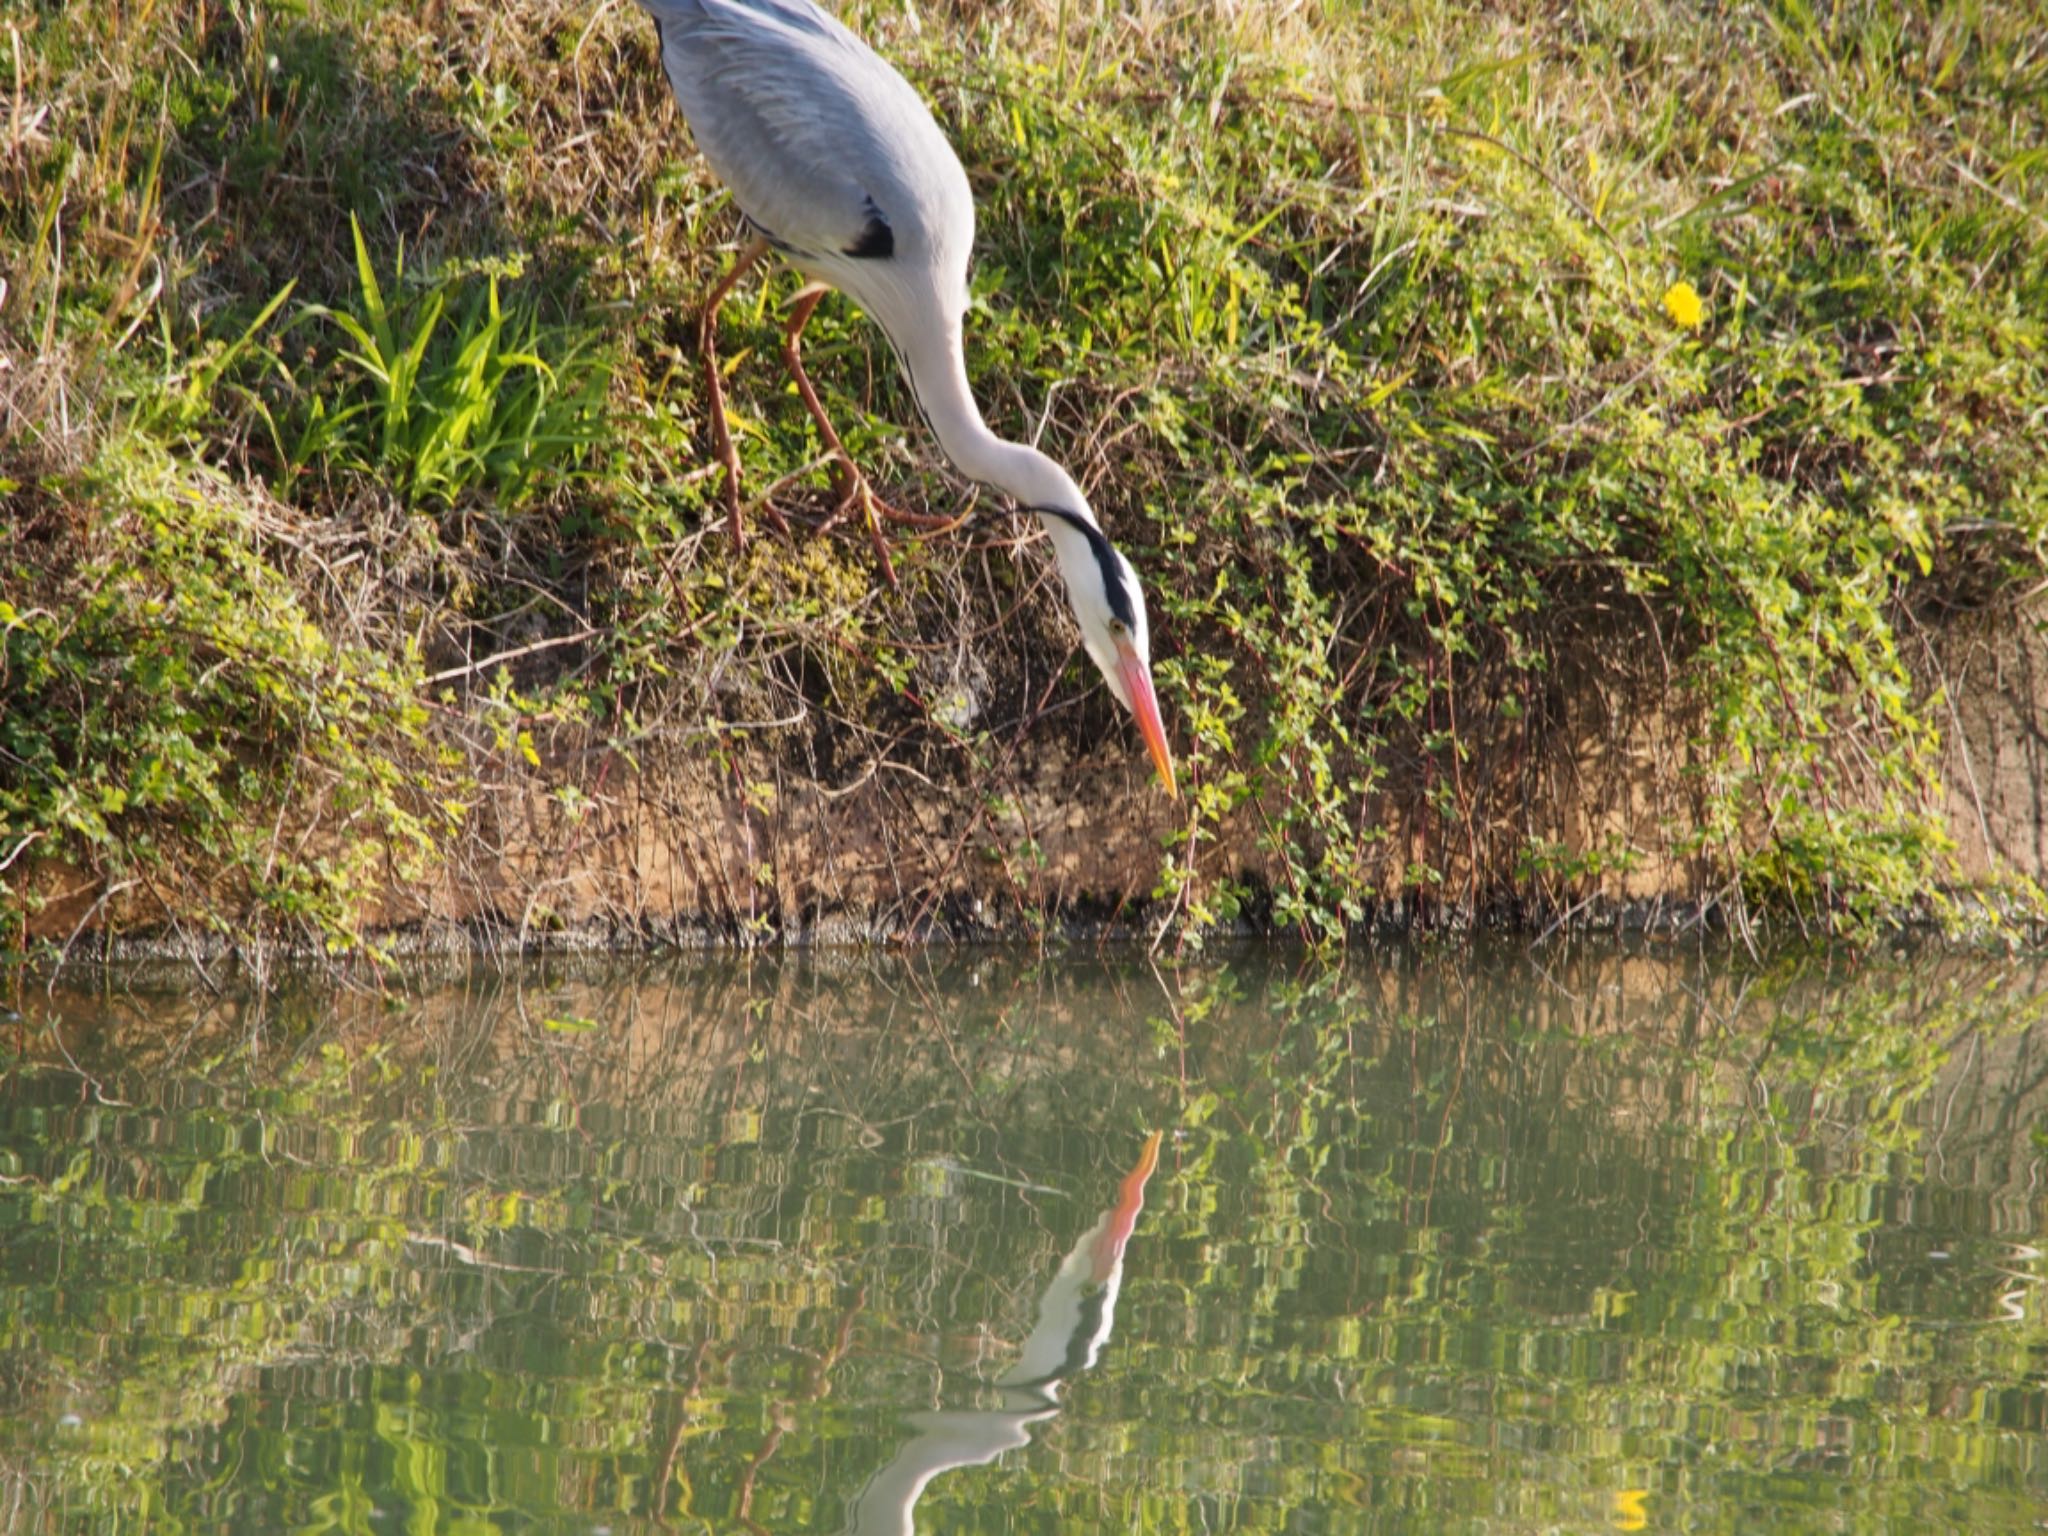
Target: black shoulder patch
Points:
x,y
877,239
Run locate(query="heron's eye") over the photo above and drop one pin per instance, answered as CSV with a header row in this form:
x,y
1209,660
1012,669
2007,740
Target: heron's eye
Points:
x,y
1116,627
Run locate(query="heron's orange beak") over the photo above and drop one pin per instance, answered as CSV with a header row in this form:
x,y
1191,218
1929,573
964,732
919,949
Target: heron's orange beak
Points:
x,y
1121,1220
1145,705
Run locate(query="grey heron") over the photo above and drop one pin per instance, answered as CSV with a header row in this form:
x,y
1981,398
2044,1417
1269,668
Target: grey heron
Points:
x,y
836,163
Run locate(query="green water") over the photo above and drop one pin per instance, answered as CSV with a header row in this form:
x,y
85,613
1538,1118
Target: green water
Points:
x,y
1436,1243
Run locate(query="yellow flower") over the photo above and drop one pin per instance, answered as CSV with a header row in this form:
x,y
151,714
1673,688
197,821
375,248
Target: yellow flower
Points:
x,y
1682,304
1632,1505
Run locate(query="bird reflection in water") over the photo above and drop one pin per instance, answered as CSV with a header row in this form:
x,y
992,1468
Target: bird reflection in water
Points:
x,y
1074,1319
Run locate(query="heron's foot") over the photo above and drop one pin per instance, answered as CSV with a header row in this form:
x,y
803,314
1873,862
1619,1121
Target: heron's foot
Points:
x,y
930,522
776,519
855,493
871,507
858,496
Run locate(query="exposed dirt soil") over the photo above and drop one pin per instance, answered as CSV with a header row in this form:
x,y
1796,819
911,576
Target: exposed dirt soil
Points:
x,y
686,850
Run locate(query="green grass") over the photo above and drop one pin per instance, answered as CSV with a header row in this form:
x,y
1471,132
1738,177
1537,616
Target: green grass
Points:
x,y
446,414
1363,329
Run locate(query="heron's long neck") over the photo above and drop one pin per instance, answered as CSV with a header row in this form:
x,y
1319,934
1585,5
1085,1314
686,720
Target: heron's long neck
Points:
x,y
938,376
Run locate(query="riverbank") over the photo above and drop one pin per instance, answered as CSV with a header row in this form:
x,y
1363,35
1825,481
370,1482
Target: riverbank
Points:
x,y
675,852
1583,469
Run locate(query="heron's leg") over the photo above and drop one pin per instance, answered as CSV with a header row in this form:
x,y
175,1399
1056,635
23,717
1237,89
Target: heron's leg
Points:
x,y
853,485
714,388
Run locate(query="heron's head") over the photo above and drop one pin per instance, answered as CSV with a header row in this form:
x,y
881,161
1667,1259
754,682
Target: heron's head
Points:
x,y
1108,605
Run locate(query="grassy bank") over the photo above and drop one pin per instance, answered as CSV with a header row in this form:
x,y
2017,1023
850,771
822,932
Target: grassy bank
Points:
x,y
1438,368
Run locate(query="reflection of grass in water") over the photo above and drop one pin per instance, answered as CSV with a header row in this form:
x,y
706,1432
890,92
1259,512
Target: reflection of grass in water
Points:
x,y
1448,382
1668,1220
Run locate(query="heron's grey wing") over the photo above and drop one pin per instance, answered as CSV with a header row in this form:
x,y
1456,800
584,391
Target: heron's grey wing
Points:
x,y
804,122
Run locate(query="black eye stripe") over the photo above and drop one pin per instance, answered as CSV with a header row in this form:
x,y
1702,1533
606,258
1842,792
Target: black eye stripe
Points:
x,y
1114,589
